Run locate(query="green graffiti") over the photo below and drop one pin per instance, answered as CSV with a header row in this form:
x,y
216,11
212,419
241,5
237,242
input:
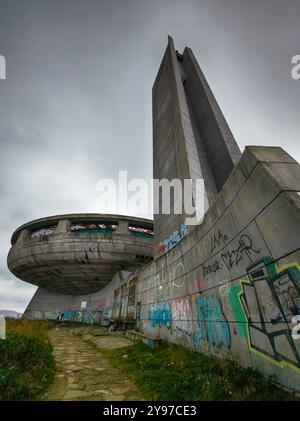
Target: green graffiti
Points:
x,y
263,305
237,310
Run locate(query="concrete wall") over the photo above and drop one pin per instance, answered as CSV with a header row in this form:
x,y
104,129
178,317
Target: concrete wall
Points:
x,y
169,149
232,285
98,306
191,139
215,139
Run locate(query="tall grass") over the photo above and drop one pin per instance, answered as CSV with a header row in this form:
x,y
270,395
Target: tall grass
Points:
x,y
172,372
26,361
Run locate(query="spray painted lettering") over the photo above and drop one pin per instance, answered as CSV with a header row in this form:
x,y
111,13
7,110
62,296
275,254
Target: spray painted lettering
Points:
x,y
173,239
217,240
159,314
212,323
182,315
245,248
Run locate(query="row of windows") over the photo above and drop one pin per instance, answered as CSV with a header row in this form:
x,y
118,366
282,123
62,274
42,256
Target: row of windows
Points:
x,y
93,227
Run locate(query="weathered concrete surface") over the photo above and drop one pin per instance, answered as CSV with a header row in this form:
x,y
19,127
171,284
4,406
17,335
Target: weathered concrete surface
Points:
x,y
77,262
111,341
191,139
232,285
47,305
83,373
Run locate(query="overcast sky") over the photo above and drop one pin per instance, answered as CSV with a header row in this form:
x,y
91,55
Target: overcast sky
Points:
x,y
76,104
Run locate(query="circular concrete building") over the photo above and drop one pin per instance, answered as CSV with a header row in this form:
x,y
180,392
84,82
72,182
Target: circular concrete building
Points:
x,y
79,253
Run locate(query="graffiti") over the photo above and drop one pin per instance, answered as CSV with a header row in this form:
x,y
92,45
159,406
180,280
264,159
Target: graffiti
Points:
x,y
159,314
138,314
173,239
149,343
240,327
296,329
51,315
213,268
267,300
217,239
78,316
163,284
105,317
212,323
91,317
69,315
182,315
140,230
223,288
245,248
99,226
230,258
42,232
87,316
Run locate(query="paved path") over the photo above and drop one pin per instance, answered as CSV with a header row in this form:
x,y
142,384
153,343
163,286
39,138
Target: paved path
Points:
x,y
83,373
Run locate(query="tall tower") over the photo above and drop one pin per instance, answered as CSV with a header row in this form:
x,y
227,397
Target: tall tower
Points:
x,y
191,139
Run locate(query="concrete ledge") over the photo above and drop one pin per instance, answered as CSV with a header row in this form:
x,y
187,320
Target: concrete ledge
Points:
x,y
148,340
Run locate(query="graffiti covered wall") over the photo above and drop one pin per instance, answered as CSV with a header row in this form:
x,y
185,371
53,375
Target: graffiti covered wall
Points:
x,y
93,308
232,285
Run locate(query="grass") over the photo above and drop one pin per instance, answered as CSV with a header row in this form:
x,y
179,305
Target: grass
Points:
x,y
172,372
26,361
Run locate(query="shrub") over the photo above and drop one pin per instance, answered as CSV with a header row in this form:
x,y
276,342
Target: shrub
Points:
x,y
26,361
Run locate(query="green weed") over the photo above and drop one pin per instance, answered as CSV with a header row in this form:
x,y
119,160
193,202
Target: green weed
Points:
x,y
172,372
26,361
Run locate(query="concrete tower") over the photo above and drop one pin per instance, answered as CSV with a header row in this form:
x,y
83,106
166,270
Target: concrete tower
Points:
x,y
191,139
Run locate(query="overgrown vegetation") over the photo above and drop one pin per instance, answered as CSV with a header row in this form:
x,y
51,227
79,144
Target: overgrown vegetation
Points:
x,y
26,361
172,372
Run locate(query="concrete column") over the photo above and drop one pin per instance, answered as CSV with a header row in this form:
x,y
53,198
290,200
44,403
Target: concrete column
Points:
x,y
63,226
123,227
23,236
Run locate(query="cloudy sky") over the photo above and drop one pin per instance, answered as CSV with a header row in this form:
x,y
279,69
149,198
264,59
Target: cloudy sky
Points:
x,y
76,104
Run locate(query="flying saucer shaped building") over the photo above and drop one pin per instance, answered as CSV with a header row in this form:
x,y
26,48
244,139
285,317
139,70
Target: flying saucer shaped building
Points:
x,y
229,285
79,253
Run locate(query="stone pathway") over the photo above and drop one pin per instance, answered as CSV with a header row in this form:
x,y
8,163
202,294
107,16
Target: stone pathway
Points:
x,y
83,373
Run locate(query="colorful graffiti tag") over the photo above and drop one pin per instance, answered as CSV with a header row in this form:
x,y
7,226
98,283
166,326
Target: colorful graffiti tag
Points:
x,y
86,316
43,232
159,314
211,327
212,323
265,303
173,239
